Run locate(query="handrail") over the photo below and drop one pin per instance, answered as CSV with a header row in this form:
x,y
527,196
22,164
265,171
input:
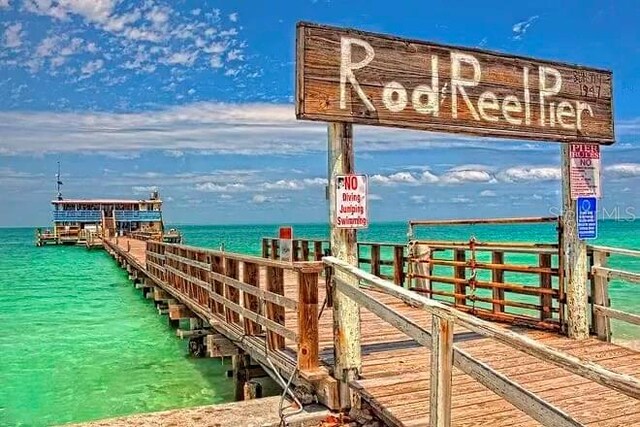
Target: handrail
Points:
x,y
520,220
600,277
618,251
620,382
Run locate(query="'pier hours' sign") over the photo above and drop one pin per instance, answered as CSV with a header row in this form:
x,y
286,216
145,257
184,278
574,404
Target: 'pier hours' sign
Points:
x,y
351,201
351,76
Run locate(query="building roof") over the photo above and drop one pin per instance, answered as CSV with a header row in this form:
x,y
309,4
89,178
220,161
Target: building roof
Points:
x,y
104,201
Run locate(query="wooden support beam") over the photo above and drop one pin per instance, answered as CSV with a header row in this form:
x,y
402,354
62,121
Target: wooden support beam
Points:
x,y
346,312
251,276
459,255
219,346
308,340
601,322
317,250
441,371
274,249
398,265
546,300
232,270
276,313
375,260
497,276
180,311
304,247
217,266
575,253
265,248
252,390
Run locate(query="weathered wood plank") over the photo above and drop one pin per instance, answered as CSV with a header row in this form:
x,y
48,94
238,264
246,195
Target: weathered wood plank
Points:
x,y
308,338
275,311
441,370
251,277
357,77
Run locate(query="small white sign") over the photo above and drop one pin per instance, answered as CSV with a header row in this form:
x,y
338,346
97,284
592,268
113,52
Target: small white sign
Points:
x,y
585,170
285,234
351,201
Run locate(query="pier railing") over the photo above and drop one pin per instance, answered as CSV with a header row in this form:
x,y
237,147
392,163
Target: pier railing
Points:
x,y
518,283
509,282
386,260
445,355
601,275
245,294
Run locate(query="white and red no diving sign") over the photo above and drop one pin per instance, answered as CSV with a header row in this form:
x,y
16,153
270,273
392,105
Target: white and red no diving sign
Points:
x,y
585,170
351,201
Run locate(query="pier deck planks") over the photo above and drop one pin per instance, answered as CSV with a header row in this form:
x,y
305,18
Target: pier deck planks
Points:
x,y
395,372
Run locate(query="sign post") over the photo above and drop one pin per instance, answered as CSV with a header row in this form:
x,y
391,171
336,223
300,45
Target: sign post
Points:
x,y
346,76
574,253
344,246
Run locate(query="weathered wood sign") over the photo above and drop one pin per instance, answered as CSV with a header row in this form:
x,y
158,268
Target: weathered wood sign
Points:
x,y
351,76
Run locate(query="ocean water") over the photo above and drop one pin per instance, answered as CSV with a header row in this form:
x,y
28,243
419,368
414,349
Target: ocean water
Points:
x,y
78,342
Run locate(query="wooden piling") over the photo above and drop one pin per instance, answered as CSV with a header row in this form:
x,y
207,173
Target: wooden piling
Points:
x,y
275,312
575,252
308,340
602,324
346,312
441,371
497,276
460,273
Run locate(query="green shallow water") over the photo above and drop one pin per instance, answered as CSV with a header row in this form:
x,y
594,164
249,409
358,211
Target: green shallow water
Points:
x,y
78,341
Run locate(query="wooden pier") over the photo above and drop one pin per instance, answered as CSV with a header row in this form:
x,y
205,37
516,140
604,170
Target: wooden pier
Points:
x,y
422,362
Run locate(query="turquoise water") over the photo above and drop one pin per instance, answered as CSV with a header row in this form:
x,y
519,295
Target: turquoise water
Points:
x,y
79,342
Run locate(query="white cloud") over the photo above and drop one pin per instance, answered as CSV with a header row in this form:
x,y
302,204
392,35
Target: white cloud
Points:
x,y
530,173
259,198
233,17
520,29
211,127
488,193
460,199
428,178
144,189
216,62
4,4
283,185
375,197
182,58
460,176
624,169
418,200
235,55
92,67
212,187
173,153
13,35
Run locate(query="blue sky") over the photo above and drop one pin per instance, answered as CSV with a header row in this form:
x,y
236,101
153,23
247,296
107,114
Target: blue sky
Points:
x,y
195,98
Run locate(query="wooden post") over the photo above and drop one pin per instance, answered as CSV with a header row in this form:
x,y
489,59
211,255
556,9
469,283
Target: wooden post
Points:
x,y
265,248
317,250
346,312
275,284
441,371
497,276
308,340
305,250
241,363
251,276
231,293
546,302
460,273
601,322
217,266
252,390
295,250
375,260
398,265
575,252
274,248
